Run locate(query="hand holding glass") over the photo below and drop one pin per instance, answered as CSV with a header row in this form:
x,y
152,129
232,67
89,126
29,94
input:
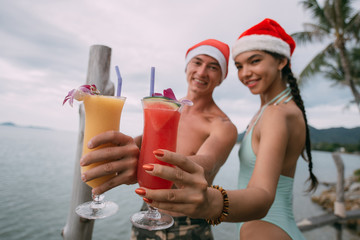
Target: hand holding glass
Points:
x,y
161,119
102,113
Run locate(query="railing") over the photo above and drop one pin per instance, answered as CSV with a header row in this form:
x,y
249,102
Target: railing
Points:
x,y
340,215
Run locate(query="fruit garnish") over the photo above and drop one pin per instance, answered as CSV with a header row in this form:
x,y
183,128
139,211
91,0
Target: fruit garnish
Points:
x,y
165,103
169,94
79,93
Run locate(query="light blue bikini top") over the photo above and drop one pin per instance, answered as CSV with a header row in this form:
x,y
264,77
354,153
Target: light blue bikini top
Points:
x,y
281,211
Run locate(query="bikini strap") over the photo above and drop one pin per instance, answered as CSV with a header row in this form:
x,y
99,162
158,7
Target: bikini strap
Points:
x,y
277,99
286,92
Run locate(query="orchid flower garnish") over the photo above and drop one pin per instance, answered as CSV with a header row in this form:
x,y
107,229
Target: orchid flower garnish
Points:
x,y
168,93
78,94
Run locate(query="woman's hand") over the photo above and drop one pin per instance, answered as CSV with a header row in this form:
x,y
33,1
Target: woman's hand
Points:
x,y
191,197
121,156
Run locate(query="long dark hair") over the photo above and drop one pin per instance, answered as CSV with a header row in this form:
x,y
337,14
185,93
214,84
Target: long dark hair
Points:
x,y
295,92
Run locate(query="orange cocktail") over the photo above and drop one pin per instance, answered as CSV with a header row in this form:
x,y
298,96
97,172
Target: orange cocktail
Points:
x,y
102,113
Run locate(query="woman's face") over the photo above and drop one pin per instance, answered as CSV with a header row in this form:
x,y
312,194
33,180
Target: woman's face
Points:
x,y
259,70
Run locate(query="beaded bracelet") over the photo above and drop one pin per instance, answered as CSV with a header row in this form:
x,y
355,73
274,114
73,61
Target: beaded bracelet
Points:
x,y
225,210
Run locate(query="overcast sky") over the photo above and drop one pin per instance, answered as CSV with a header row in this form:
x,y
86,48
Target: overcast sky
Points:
x,y
44,50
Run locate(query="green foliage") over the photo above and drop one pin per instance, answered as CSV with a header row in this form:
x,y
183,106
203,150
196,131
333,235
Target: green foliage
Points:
x,y
332,147
357,175
336,24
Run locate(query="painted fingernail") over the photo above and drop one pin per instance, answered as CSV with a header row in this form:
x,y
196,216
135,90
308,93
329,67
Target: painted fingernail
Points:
x,y
147,200
148,167
158,153
140,191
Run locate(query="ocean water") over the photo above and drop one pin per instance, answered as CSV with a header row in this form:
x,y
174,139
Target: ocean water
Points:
x,y
36,181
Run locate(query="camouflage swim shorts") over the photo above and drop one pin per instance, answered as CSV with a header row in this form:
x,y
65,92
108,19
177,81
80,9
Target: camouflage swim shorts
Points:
x,y
184,228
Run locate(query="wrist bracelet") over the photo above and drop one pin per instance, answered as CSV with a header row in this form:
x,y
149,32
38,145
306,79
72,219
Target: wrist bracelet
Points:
x,y
225,210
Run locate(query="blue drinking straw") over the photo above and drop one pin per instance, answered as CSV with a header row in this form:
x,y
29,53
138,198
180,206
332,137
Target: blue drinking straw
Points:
x,y
152,80
118,93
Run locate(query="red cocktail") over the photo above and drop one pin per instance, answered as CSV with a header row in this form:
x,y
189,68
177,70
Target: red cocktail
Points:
x,y
161,119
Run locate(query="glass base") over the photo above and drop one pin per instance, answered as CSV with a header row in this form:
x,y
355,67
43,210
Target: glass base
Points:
x,y
89,211
145,221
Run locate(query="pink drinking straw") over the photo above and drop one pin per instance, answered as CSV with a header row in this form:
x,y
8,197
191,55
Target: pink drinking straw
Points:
x,y
152,81
118,93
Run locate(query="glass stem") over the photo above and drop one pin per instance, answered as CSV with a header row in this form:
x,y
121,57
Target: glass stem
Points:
x,y
153,213
98,201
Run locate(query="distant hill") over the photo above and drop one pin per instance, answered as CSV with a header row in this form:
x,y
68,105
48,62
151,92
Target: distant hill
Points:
x,y
11,124
331,135
335,135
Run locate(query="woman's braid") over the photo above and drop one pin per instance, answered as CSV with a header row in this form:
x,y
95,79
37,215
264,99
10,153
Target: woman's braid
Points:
x,y
288,75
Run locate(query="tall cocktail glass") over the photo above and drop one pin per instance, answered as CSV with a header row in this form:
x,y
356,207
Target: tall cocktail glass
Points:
x,y
161,119
102,113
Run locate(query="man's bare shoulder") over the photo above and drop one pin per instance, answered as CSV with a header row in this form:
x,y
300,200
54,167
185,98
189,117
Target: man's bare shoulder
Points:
x,y
217,116
223,123
220,122
213,119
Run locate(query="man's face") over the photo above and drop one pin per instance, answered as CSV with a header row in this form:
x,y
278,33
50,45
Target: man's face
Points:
x,y
203,73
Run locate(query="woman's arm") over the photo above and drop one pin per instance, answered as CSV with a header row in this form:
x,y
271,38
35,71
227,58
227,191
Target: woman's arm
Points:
x,y
196,200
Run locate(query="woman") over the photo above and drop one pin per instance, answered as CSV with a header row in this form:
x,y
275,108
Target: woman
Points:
x,y
275,138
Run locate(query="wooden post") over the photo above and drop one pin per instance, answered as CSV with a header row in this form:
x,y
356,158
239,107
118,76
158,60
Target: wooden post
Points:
x,y
77,228
339,204
338,230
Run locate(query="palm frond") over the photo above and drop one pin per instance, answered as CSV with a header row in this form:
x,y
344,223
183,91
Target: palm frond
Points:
x,y
346,8
352,28
302,38
312,33
315,9
355,68
314,66
330,14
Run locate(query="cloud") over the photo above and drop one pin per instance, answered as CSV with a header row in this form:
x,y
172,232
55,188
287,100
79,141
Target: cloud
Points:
x,y
45,49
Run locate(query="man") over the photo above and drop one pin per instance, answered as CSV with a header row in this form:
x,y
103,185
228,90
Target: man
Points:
x,y
206,135
205,132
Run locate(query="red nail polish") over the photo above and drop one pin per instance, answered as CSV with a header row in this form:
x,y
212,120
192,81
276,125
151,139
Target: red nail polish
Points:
x,y
148,167
140,191
158,153
147,200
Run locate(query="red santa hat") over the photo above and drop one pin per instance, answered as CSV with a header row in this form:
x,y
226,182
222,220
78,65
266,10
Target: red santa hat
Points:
x,y
213,48
267,35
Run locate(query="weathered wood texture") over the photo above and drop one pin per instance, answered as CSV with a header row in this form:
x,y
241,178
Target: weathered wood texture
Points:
x,y
339,205
326,219
77,228
340,215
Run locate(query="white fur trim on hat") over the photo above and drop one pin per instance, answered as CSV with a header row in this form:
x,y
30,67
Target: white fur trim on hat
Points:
x,y
261,42
212,52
